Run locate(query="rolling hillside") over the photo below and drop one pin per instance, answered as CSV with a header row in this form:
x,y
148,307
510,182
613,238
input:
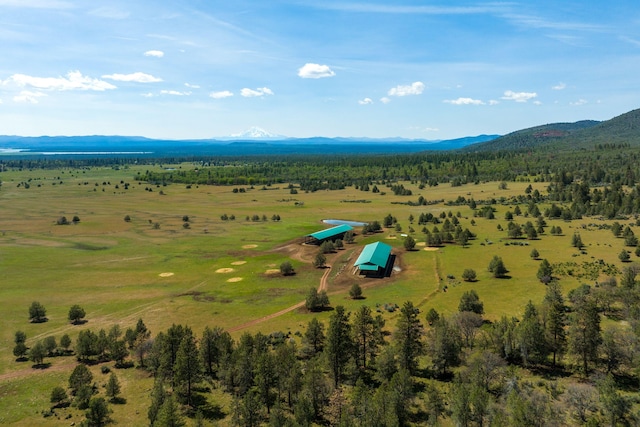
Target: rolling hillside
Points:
x,y
585,134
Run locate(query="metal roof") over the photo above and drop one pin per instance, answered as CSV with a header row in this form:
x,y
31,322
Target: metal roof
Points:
x,y
373,256
330,232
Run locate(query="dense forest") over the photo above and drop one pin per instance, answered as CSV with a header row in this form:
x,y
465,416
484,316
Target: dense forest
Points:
x,y
354,372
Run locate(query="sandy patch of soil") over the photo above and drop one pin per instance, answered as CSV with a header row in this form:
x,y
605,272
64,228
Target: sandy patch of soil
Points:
x,y
272,271
392,237
249,246
225,270
238,262
234,279
431,249
421,244
168,274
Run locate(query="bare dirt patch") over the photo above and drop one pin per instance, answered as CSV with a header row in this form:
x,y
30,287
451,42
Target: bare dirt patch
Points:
x,y
272,271
431,249
238,262
390,237
234,279
225,270
249,246
167,274
421,244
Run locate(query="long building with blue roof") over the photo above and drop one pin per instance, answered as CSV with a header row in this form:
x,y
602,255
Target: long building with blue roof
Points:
x,y
332,233
374,258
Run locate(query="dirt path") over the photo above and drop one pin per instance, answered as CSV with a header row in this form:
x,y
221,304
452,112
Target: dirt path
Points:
x,y
324,284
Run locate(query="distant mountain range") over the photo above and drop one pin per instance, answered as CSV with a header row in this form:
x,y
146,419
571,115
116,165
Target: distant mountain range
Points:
x,y
585,134
254,142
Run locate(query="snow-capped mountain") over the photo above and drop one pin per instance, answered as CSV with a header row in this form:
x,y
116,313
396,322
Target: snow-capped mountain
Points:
x,y
255,132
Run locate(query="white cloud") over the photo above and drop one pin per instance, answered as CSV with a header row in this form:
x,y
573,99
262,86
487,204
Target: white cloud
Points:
x,y
133,77
250,93
148,95
315,71
519,96
416,88
29,97
154,53
221,95
464,101
192,86
494,102
578,102
73,81
385,100
174,93
559,86
365,101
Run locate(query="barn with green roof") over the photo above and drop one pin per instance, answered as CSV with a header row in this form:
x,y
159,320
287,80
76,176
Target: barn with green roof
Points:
x,y
375,259
332,233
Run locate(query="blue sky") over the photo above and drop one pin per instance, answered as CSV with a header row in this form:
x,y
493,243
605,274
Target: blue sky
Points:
x,y
414,69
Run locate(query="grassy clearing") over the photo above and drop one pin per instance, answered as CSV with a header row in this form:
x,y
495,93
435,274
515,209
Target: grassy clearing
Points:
x,y
114,268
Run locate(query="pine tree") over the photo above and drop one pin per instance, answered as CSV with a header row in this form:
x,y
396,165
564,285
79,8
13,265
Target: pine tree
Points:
x,y
408,337
585,333
338,343
555,319
113,387
187,368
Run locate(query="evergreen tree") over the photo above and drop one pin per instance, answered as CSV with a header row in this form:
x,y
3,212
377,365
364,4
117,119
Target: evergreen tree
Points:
x,y
497,267
555,320
98,412
531,336
338,344
113,387
314,336
187,368
266,378
545,271
363,338
169,414
408,337
444,345
470,301
584,333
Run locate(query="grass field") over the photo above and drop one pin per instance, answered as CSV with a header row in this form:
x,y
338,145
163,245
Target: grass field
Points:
x,y
221,273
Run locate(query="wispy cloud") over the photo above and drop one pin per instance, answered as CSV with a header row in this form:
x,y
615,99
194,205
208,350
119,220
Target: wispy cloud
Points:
x,y
412,10
37,4
464,101
251,93
174,93
189,85
385,100
154,53
133,77
519,96
415,88
579,102
559,86
630,40
73,81
315,71
109,13
365,101
29,97
536,22
221,94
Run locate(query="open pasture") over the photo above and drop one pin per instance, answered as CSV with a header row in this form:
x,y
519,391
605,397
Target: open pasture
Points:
x,y
165,268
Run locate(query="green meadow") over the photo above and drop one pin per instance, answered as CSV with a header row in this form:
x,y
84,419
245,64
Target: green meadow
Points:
x,y
213,272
